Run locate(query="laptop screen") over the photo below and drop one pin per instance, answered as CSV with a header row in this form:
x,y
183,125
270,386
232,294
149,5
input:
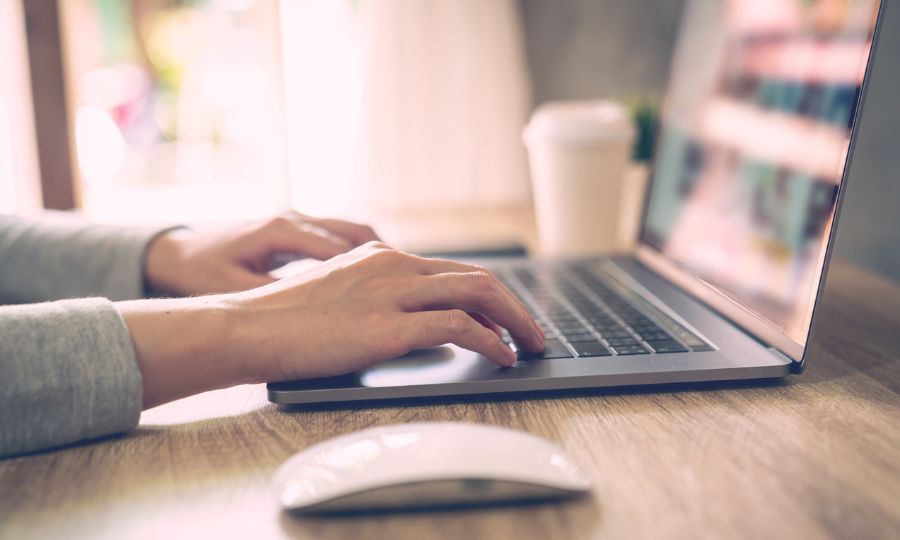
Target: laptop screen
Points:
x,y
755,133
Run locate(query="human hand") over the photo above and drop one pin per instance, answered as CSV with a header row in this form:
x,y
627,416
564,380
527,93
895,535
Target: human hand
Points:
x,y
187,262
373,304
357,309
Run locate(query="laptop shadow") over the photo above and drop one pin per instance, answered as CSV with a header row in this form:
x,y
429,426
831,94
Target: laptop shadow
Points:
x,y
535,395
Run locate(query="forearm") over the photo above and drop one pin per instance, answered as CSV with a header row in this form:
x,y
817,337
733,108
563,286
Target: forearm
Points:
x,y
188,345
60,256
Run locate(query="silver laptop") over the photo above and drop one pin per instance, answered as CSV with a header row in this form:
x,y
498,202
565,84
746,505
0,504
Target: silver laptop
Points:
x,y
756,136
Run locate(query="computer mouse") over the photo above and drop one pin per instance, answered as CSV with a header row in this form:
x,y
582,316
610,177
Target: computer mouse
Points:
x,y
432,464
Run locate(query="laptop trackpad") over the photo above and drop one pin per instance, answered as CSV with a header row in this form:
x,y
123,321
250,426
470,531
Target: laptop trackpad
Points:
x,y
444,364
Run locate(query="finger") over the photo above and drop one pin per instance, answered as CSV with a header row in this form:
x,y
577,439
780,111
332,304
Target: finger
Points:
x,y
487,323
241,279
356,233
432,266
436,265
432,328
304,239
476,292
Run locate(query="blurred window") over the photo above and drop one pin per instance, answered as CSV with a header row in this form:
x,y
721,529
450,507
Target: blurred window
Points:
x,y
214,109
402,107
176,107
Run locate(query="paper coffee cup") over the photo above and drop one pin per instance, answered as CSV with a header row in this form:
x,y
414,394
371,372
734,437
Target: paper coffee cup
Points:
x,y
578,152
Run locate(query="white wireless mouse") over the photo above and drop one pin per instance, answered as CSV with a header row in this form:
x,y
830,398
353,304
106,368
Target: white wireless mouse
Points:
x,y
426,465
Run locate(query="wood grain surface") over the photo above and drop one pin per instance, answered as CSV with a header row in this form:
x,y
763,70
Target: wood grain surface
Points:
x,y
812,456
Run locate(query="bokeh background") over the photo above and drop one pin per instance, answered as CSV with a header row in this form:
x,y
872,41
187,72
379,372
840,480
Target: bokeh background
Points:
x,y
198,110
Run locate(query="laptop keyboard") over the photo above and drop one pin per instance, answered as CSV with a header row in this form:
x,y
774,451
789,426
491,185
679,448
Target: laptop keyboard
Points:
x,y
585,314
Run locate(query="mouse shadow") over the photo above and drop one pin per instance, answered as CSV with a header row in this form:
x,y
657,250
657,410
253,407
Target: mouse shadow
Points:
x,y
580,512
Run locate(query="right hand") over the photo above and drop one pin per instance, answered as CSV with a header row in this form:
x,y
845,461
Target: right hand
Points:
x,y
373,304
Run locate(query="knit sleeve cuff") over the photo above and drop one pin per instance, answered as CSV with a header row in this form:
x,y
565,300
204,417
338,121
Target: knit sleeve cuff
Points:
x,y
69,374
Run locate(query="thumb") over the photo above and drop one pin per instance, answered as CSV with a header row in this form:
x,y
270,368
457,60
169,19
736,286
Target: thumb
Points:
x,y
239,278
307,240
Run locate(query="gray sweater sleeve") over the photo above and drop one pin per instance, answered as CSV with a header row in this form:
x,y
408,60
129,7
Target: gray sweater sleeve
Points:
x,y
59,256
67,372
67,369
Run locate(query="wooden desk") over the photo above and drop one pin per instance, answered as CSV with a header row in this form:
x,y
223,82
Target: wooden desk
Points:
x,y
813,456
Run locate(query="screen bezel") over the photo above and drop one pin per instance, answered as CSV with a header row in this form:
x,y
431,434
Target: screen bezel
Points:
x,y
762,329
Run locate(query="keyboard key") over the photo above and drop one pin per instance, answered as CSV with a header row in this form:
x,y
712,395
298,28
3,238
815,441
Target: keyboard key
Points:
x,y
579,335
667,346
605,328
630,349
569,326
552,349
559,303
693,341
622,341
615,334
655,335
591,348
645,327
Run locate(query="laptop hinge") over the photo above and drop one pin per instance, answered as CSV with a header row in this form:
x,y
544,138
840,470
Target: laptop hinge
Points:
x,y
796,367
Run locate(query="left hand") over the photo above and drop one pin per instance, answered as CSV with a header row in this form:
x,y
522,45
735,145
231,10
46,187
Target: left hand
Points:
x,y
186,262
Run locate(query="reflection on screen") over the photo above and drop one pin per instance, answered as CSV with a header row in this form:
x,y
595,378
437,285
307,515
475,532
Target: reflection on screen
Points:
x,y
755,134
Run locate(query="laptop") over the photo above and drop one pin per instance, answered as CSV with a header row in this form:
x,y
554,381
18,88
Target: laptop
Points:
x,y
755,140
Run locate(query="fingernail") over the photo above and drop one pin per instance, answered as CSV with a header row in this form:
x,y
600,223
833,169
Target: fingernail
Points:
x,y
510,356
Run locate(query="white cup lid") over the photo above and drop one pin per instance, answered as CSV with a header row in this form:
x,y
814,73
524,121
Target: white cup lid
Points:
x,y
579,122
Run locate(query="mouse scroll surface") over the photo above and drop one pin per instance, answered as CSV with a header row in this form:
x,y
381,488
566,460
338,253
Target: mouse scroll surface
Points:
x,y
425,465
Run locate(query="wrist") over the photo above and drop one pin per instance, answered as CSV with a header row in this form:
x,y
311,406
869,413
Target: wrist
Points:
x,y
162,261
186,346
